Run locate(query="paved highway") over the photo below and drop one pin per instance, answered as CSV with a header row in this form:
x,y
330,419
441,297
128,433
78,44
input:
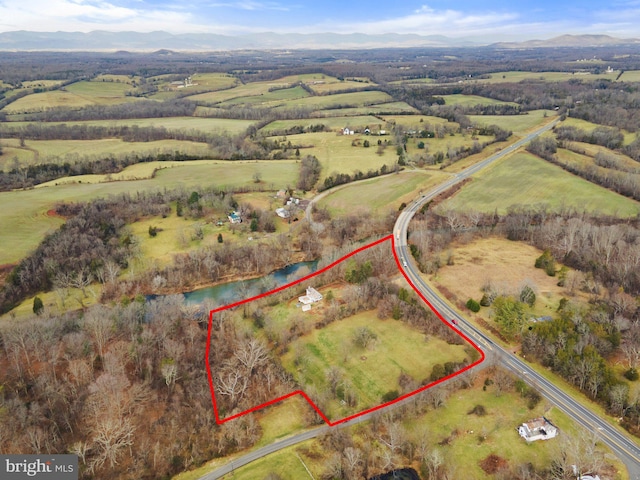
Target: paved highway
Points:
x,y
625,448
622,445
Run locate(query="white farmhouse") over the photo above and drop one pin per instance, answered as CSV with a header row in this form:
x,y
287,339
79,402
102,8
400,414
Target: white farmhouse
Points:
x,y
537,429
312,296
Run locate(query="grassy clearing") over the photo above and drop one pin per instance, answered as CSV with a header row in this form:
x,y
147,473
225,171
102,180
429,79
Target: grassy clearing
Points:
x,y
373,371
338,85
592,150
524,179
472,100
59,151
59,301
630,76
589,126
209,125
332,122
518,124
25,222
138,171
109,77
99,89
416,122
11,155
514,77
269,98
337,155
507,266
377,109
445,143
60,98
284,463
355,99
381,194
246,90
282,420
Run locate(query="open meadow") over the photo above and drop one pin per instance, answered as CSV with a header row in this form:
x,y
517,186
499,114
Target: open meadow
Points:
x,y
200,124
382,194
590,126
371,371
513,77
337,154
79,97
473,100
386,108
60,151
24,213
334,123
268,99
239,91
338,100
524,179
518,124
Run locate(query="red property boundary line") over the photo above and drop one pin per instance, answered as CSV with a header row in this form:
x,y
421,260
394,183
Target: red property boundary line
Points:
x,y
220,421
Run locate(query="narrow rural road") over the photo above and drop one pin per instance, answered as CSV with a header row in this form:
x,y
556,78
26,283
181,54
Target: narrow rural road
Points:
x,y
626,449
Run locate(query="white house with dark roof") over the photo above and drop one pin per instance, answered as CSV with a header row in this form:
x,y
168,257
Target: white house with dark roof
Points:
x,y
537,429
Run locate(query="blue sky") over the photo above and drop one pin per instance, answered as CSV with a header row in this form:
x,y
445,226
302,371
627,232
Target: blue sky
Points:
x,y
489,20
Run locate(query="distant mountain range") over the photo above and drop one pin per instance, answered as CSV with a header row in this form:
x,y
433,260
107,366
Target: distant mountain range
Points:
x,y
571,41
137,41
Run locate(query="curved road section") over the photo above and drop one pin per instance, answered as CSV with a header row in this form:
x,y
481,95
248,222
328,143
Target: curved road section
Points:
x,y
625,448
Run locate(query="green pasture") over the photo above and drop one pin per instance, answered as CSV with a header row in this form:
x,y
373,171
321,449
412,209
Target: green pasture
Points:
x,y
243,90
518,124
327,86
359,122
202,124
11,155
592,150
630,76
337,155
284,463
93,89
472,100
381,194
37,102
589,126
276,96
514,77
374,371
524,179
109,77
412,81
58,151
25,221
376,109
416,122
213,81
354,99
445,143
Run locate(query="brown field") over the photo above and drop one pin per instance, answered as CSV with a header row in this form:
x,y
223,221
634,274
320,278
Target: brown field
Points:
x,y
506,264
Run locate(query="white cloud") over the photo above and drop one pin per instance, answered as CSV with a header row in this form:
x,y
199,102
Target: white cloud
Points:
x,y
84,15
427,20
251,5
